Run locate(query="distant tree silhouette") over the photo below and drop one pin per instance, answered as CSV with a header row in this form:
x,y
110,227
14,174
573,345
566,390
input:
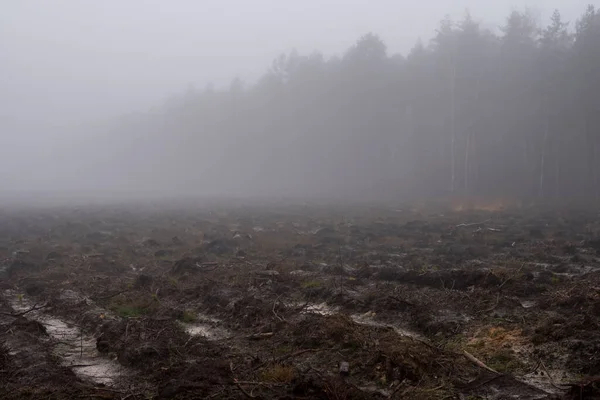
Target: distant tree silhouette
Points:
x,y
472,113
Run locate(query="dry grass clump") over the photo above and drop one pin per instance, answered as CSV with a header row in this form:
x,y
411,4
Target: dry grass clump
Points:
x,y
278,374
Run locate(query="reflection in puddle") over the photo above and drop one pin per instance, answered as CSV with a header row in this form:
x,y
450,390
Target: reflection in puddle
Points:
x,y
76,350
206,326
543,382
528,303
321,309
362,319
367,319
312,308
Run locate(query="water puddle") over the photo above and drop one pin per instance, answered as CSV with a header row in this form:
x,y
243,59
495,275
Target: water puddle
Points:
x,y
543,382
75,349
362,319
313,308
206,326
528,303
368,319
539,378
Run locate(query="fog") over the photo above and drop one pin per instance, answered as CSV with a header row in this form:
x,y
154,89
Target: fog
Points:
x,y
365,99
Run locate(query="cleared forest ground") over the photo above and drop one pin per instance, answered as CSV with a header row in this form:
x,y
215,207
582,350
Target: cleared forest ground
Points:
x,y
308,302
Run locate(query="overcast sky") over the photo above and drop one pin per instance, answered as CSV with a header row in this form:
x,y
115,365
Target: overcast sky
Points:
x,y
64,61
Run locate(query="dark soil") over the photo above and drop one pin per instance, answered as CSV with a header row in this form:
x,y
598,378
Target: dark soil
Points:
x,y
310,302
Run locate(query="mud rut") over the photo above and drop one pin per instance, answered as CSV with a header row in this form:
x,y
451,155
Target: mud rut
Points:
x,y
232,302
73,348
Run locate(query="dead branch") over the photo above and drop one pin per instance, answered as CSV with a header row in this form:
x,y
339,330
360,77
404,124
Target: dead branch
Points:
x,y
110,296
283,358
260,383
492,308
550,377
203,266
248,395
34,308
218,393
303,307
275,312
207,264
477,362
463,225
236,383
99,388
81,365
257,336
512,276
474,384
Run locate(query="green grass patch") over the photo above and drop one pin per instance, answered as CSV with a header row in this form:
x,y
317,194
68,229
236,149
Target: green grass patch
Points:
x,y
313,284
504,361
129,311
278,374
189,317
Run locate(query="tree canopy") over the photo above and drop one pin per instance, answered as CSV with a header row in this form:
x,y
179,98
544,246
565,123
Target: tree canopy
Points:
x,y
473,113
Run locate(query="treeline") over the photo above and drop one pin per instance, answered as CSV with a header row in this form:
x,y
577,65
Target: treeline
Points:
x,y
473,113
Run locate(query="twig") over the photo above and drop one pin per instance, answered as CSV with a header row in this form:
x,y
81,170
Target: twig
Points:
x,y
34,308
248,395
110,295
159,332
208,264
275,312
260,383
341,272
472,224
127,329
512,276
550,377
494,306
99,388
220,392
281,359
485,382
257,336
187,341
477,362
96,396
235,382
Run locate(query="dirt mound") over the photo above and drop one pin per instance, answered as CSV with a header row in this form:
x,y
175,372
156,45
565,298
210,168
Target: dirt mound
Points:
x,y
25,325
186,265
291,302
20,268
457,279
391,357
196,379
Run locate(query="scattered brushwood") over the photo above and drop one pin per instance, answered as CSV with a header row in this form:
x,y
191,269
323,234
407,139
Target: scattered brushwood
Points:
x,y
30,326
4,360
280,302
165,354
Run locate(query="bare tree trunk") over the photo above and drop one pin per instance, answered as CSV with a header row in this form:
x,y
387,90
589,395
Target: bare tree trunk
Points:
x,y
556,176
470,137
591,161
543,159
467,150
453,125
526,179
475,161
596,176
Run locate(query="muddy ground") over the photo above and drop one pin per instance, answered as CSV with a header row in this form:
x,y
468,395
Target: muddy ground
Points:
x,y
299,302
